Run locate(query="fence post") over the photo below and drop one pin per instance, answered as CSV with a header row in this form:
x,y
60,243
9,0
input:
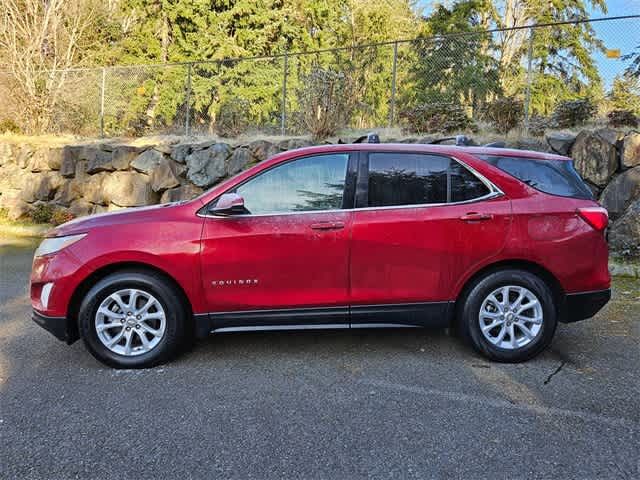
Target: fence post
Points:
x,y
283,108
527,99
104,72
188,100
392,108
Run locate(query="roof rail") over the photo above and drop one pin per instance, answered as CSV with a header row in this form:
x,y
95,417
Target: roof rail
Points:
x,y
461,141
369,137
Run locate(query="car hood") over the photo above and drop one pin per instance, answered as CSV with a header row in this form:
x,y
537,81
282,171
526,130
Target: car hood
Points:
x,y
129,215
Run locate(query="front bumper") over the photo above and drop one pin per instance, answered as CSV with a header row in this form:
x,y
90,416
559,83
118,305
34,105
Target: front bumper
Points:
x,y
57,326
583,305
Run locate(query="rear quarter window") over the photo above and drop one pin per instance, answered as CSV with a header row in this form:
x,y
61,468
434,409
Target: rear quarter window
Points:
x,y
556,177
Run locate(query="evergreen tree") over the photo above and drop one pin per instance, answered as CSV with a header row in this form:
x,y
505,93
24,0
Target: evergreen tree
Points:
x,y
454,61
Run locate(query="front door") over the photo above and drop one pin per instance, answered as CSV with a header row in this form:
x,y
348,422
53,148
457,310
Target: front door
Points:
x,y
424,221
285,261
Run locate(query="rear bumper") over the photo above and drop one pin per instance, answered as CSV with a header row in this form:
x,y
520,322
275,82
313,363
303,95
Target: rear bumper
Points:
x,y
57,326
583,305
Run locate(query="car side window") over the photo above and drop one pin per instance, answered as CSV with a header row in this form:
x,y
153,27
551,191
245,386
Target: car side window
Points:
x,y
397,179
307,184
557,177
407,179
465,185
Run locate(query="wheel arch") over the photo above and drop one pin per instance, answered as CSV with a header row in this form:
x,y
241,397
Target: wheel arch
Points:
x,y
526,265
106,270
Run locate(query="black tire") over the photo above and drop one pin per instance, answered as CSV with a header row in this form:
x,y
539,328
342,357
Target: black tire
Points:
x,y
175,334
468,324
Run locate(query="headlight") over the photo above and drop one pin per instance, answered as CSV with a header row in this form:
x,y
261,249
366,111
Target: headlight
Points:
x,y
52,245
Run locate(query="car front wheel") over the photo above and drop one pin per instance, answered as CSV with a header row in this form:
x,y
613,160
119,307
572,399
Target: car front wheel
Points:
x,y
508,316
132,319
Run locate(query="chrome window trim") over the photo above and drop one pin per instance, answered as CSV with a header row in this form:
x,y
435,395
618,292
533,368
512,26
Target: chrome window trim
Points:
x,y
489,196
494,192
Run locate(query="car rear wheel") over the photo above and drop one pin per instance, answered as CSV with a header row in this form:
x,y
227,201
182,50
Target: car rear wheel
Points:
x,y
132,319
508,316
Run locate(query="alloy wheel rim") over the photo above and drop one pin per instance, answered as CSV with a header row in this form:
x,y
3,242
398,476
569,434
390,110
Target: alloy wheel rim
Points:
x,y
130,322
511,317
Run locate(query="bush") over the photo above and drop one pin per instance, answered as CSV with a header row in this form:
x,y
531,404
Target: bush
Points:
x,y
571,113
326,102
233,117
439,117
622,118
47,213
42,213
504,113
9,126
60,216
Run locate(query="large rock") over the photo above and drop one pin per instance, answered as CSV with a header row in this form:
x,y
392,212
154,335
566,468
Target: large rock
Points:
x,y
293,143
163,148
206,167
262,149
54,157
621,192
70,154
42,186
123,155
129,189
164,176
80,208
68,192
10,177
6,153
147,161
624,235
239,160
180,151
631,150
183,192
16,207
561,143
595,155
25,152
99,161
93,187
39,161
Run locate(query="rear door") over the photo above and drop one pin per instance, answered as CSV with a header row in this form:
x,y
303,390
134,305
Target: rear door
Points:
x,y
421,222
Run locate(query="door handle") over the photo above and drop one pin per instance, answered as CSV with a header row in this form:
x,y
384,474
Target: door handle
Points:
x,y
476,217
327,226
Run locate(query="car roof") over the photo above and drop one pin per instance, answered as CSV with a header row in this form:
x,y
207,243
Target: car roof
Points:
x,y
423,148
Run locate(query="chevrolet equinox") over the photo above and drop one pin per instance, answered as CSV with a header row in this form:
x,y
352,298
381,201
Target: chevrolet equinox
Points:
x,y
498,244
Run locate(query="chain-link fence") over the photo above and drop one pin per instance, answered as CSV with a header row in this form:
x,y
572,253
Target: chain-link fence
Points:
x,y
500,79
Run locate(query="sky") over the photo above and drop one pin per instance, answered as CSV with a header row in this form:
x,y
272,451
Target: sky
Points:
x,y
623,34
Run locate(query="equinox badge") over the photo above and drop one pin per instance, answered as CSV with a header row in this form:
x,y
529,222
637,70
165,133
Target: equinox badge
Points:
x,y
222,283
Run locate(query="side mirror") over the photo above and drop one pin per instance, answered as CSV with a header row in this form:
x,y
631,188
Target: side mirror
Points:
x,y
228,204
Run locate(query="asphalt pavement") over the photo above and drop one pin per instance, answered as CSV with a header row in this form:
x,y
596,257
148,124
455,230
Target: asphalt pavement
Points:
x,y
340,404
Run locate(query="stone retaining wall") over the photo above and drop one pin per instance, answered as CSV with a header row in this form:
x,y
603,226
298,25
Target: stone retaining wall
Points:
x,y
99,176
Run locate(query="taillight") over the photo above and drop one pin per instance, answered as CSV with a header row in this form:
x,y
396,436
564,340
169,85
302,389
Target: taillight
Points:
x,y
597,217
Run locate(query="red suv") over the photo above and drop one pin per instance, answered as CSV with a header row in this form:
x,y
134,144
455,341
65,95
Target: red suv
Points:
x,y
500,244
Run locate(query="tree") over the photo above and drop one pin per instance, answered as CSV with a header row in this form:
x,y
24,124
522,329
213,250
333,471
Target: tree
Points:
x,y
634,65
211,31
38,41
453,61
562,55
625,93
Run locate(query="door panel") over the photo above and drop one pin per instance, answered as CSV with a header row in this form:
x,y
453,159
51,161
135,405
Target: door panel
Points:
x,y
279,261
416,254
